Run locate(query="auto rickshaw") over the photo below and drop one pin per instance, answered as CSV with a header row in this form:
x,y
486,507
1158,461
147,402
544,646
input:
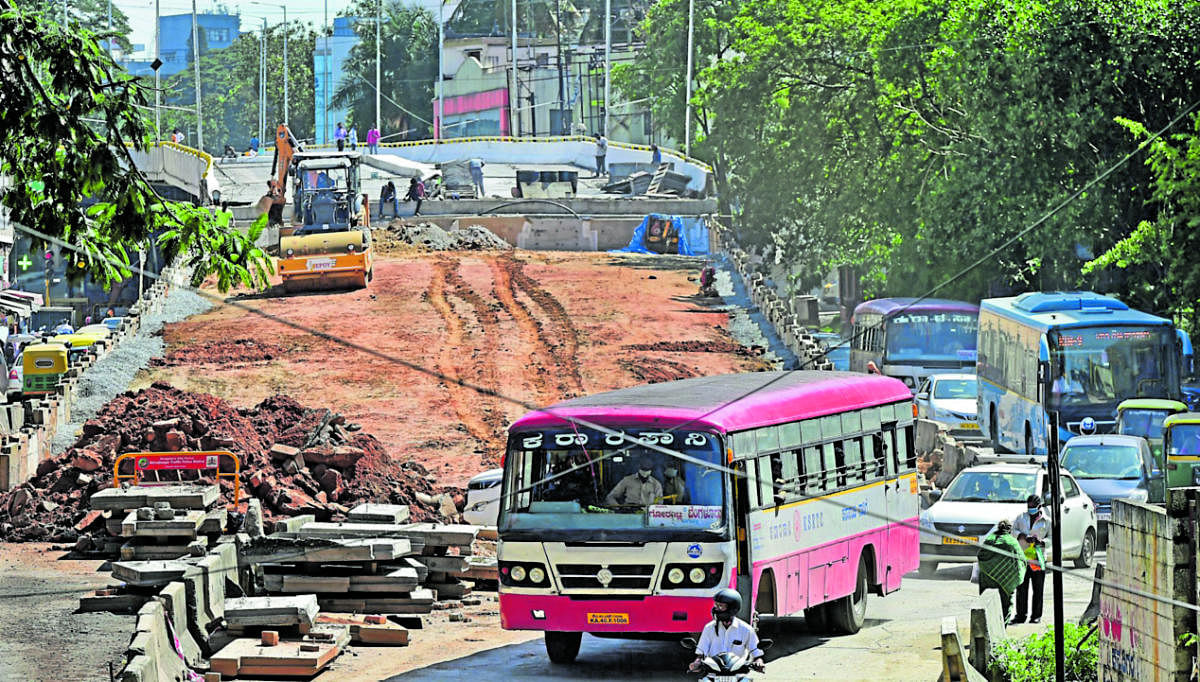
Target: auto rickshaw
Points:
x,y
79,342
1144,417
43,364
1181,445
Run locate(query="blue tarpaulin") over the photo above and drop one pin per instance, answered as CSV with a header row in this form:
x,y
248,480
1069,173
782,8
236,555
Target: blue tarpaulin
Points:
x,y
693,235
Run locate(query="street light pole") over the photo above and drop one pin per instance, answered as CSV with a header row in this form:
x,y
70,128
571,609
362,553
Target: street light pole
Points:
x,y
378,58
196,64
607,59
513,98
262,82
157,91
687,117
325,77
286,73
558,54
437,133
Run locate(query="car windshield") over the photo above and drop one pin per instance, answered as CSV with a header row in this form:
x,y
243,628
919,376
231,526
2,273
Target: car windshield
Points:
x,y
1105,365
585,479
1144,423
955,388
1185,440
1102,461
932,335
991,486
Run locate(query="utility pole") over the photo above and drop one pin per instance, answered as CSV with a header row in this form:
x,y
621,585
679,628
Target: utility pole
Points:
x,y
325,77
514,100
687,117
262,82
110,27
1056,546
607,59
378,58
157,91
562,99
286,74
437,133
196,63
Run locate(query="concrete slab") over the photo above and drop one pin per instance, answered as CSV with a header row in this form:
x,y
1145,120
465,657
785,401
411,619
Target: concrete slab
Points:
x,y
325,550
380,513
271,611
149,573
179,496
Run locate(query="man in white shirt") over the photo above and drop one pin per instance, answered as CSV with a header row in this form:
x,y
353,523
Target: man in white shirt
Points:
x,y
637,489
727,633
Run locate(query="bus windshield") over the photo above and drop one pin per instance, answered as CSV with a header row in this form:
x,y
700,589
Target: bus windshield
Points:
x,y
931,336
1185,440
1145,423
1105,365
568,479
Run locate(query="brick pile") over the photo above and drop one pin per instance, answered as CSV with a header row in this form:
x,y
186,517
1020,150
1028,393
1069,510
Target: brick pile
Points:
x,y
296,459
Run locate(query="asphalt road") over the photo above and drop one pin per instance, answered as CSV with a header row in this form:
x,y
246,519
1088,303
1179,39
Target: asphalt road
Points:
x,y
900,641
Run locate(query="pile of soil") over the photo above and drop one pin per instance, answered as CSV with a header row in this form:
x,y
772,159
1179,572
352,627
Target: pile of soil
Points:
x,y
698,347
297,460
231,352
430,237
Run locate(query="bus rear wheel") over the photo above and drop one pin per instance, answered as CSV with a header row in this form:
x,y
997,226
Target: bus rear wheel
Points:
x,y
563,647
817,619
848,614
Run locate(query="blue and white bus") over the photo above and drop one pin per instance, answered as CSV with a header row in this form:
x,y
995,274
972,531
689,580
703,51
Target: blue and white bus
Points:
x,y
1077,353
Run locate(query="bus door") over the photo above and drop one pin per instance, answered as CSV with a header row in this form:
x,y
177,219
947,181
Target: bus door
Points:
x,y
891,452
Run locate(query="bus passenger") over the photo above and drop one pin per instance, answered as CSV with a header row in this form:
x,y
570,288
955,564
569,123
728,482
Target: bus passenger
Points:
x,y
639,489
674,488
1067,385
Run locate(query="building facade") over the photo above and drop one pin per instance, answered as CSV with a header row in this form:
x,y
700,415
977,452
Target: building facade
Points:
x,y
329,61
215,31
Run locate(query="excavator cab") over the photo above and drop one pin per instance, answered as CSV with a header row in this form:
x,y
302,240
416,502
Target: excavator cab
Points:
x,y
327,193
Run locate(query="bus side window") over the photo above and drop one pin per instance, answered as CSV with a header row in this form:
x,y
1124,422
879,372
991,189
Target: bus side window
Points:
x,y
879,455
839,463
790,472
751,483
813,470
769,473
904,446
854,459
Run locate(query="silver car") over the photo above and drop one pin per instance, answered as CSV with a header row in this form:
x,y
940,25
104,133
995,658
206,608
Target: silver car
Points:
x,y
951,400
483,498
982,496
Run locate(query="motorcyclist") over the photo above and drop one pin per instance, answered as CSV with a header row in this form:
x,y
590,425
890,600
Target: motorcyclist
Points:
x,y
727,633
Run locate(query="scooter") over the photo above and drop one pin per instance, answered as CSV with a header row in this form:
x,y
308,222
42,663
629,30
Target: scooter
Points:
x,y
727,667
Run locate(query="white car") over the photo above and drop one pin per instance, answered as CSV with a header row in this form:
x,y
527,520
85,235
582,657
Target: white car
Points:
x,y
982,496
16,379
951,399
483,498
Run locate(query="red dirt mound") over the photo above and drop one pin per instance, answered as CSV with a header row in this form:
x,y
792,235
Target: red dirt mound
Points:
x,y
295,459
231,352
698,347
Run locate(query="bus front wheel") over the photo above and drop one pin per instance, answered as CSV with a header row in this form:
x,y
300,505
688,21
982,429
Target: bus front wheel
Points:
x,y
850,612
563,647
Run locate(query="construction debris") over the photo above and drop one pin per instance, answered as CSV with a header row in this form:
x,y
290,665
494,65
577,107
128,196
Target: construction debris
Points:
x,y
431,237
295,459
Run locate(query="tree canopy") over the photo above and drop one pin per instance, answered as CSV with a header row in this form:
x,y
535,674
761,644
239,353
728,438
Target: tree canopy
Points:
x,y
911,137
68,117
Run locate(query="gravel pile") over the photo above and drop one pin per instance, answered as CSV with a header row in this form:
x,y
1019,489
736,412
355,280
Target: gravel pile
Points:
x,y
478,238
112,375
430,237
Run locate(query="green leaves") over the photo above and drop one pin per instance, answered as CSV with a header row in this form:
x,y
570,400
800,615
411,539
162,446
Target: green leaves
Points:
x,y
67,114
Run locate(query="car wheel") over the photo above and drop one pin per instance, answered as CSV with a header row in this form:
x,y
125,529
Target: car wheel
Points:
x,y
1088,551
563,647
927,569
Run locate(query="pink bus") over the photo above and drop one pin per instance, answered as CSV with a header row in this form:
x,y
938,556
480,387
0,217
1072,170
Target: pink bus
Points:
x,y
601,534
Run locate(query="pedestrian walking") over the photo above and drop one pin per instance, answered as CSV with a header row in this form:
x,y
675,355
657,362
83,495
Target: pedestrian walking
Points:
x,y
353,137
1001,566
386,195
254,143
373,140
1032,528
655,156
177,136
476,166
416,192
340,136
601,152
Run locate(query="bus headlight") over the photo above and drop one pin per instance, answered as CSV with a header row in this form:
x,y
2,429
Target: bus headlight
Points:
x,y
536,575
675,576
518,573
696,575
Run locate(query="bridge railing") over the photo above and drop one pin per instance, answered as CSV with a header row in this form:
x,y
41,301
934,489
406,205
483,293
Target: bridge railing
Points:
x,y
180,166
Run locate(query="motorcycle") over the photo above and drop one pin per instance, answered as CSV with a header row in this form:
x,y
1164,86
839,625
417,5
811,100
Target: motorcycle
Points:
x,y
727,667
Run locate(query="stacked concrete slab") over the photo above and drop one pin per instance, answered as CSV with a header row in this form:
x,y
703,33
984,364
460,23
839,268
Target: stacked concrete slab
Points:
x,y
160,522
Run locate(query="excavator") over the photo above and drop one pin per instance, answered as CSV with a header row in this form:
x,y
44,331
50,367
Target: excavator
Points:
x,y
329,244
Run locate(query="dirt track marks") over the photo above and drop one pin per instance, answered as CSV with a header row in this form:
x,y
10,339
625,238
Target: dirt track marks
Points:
x,y
652,370
464,401
553,338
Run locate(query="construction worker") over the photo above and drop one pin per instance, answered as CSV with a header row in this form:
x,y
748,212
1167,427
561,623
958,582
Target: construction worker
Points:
x,y
1032,528
1001,566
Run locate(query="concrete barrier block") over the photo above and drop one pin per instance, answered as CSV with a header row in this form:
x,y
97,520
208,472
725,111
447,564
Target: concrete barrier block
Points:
x,y
174,600
987,628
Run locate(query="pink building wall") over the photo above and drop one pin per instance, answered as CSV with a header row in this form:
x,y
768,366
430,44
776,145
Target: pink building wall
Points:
x,y
476,101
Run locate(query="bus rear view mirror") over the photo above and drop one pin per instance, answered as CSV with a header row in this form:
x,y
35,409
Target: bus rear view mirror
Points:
x,y
1043,372
690,643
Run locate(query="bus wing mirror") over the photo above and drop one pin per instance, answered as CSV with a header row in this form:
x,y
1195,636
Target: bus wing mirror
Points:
x,y
1043,372
688,643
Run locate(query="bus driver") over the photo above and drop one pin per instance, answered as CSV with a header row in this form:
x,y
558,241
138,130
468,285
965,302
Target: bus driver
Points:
x,y
639,489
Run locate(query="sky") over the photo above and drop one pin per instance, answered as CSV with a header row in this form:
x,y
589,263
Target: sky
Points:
x,y
141,13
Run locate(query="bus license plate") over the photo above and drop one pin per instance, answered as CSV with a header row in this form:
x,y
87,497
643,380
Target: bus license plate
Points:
x,y
608,619
320,263
968,425
964,540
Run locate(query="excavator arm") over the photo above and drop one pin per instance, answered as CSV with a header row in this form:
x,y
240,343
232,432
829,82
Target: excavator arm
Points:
x,y
286,146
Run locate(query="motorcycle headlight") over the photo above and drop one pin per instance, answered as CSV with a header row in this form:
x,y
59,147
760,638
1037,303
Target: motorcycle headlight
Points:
x,y
675,576
536,575
518,573
696,575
